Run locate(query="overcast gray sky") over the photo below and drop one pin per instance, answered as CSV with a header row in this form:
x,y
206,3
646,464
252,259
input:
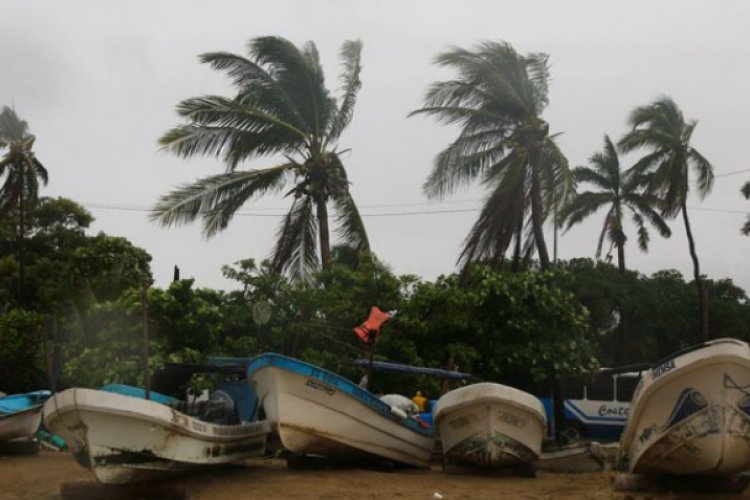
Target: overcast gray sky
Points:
x,y
98,82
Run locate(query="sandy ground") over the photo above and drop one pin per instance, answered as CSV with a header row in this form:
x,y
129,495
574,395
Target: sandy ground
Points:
x,y
40,477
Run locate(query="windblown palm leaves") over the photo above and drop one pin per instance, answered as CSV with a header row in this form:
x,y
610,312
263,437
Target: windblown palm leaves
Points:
x,y
22,172
663,132
497,98
281,108
20,167
618,193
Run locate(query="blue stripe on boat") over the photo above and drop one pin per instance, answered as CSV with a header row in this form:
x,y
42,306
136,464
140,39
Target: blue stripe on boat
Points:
x,y
332,379
18,402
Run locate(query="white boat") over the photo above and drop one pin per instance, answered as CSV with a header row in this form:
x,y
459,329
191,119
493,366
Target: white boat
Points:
x,y
691,413
316,412
123,439
21,414
490,425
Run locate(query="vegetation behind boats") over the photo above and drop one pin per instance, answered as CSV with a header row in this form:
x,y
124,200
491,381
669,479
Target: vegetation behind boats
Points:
x,y
508,327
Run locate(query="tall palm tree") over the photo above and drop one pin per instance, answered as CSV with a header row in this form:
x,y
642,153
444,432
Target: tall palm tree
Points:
x,y
746,194
662,130
22,171
498,98
620,193
281,107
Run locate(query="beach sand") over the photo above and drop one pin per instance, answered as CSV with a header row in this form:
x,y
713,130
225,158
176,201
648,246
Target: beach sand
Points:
x,y
40,477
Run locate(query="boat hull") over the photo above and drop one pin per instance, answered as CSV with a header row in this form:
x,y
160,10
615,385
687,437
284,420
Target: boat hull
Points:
x,y
691,414
122,439
490,425
316,412
20,424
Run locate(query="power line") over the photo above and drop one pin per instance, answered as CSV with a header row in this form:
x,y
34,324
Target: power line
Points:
x,y
133,208
733,173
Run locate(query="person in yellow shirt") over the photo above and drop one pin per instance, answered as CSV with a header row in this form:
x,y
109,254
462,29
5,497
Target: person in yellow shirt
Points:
x,y
419,400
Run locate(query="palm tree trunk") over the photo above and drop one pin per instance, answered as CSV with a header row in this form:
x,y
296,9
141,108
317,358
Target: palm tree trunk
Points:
x,y
621,258
702,305
21,253
537,219
325,238
516,265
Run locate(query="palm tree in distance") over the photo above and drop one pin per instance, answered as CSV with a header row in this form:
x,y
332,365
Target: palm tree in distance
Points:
x,y
618,192
22,171
746,194
281,107
497,98
663,132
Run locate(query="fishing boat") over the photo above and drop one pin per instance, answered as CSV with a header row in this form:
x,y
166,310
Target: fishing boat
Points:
x,y
691,413
317,412
490,425
123,437
21,414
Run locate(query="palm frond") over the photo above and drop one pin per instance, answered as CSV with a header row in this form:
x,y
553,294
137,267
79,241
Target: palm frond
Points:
x,y
351,54
216,198
296,249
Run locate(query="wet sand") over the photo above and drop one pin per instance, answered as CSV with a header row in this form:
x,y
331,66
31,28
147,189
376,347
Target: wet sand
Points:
x,y
40,477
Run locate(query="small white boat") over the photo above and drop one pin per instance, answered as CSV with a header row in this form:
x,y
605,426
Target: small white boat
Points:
x,y
490,425
123,439
21,414
316,412
691,413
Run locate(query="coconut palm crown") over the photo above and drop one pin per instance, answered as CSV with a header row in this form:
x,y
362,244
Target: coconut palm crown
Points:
x,y
662,131
281,108
497,98
22,172
619,192
746,194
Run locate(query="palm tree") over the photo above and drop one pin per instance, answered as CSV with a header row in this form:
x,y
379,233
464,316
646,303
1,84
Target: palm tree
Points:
x,y
661,129
497,98
22,171
281,107
618,192
746,194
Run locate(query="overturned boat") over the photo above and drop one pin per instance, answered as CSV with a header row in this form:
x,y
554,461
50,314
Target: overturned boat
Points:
x,y
21,414
123,437
490,425
691,413
316,412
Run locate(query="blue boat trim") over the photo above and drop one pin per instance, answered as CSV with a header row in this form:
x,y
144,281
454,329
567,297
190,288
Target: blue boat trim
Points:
x,y
19,402
689,402
332,379
137,392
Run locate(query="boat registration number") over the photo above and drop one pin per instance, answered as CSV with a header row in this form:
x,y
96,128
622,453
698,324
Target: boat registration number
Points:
x,y
663,368
318,386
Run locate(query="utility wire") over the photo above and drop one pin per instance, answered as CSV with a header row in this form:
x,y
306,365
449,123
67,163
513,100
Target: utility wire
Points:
x,y
125,208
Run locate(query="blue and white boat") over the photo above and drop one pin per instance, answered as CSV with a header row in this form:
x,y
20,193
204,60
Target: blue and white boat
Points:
x,y
122,436
317,412
21,414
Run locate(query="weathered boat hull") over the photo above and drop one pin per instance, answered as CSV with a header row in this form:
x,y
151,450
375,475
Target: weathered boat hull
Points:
x,y
691,414
490,425
316,412
122,439
20,424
